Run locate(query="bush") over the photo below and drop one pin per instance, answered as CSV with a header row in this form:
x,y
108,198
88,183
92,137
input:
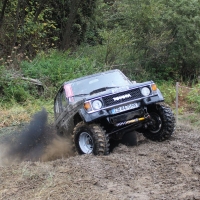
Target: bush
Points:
x,y
169,91
15,90
193,98
56,67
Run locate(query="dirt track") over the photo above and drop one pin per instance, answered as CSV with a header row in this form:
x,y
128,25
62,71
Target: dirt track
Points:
x,y
151,170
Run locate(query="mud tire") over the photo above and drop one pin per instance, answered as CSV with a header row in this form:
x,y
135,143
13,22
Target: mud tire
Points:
x,y
97,137
163,123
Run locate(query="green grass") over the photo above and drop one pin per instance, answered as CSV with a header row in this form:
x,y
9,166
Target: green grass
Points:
x,y
193,97
55,67
168,90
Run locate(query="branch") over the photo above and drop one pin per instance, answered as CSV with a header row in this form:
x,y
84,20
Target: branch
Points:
x,y
125,64
34,81
30,80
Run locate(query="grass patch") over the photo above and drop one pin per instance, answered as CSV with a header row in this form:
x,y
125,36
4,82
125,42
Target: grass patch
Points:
x,y
190,118
168,91
55,67
18,113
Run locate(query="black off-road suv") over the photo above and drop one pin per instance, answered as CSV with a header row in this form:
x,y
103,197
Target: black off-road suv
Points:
x,y
106,106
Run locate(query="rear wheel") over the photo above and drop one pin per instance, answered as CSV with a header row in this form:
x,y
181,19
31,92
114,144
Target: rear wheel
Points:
x,y
162,123
90,139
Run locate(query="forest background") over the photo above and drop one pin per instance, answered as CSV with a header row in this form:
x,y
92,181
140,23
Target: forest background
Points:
x,y
46,42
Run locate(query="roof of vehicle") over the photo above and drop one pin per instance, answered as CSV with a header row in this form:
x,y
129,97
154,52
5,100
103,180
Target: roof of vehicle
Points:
x,y
92,75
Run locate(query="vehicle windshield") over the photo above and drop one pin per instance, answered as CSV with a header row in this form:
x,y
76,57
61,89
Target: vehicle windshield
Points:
x,y
78,88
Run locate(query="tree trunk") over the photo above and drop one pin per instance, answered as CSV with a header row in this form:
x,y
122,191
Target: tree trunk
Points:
x,y
68,27
16,23
22,24
3,12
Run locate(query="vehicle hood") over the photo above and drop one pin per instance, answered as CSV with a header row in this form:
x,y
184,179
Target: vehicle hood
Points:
x,y
118,90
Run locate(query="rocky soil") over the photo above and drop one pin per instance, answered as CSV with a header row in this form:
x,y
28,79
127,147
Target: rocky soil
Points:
x,y
150,170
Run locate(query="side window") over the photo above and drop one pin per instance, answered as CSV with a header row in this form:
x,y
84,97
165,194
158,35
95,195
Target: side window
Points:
x,y
64,100
61,103
57,106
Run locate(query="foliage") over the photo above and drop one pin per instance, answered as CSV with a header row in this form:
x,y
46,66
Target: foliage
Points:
x,y
194,98
169,91
54,68
39,25
162,36
14,90
157,38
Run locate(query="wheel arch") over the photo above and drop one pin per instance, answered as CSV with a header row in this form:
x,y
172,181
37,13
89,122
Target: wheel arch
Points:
x,y
77,119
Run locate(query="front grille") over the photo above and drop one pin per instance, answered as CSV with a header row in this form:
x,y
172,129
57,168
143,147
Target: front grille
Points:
x,y
130,95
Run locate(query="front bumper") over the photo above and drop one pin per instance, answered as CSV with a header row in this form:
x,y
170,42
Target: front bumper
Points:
x,y
89,117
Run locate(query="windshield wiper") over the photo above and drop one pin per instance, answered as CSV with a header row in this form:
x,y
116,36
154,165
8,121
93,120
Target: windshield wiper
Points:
x,y
95,91
79,95
101,89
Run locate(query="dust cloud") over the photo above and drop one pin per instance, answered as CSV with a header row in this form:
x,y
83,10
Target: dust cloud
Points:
x,y
37,141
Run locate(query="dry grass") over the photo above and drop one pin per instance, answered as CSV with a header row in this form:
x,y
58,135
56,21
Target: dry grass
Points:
x,y
18,114
13,116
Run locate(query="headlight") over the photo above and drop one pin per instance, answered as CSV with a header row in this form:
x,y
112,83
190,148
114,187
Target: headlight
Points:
x,y
96,104
145,91
154,87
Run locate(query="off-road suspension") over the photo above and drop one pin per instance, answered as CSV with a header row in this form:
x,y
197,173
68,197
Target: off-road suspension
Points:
x,y
132,121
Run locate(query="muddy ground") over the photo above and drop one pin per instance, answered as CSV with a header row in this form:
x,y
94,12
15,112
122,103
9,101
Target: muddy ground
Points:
x,y
150,170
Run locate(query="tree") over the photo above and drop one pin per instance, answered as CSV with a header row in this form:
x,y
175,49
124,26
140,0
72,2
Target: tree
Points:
x,y
163,36
3,12
67,32
40,24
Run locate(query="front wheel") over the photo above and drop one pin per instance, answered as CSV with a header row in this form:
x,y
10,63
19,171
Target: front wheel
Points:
x,y
162,123
90,139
